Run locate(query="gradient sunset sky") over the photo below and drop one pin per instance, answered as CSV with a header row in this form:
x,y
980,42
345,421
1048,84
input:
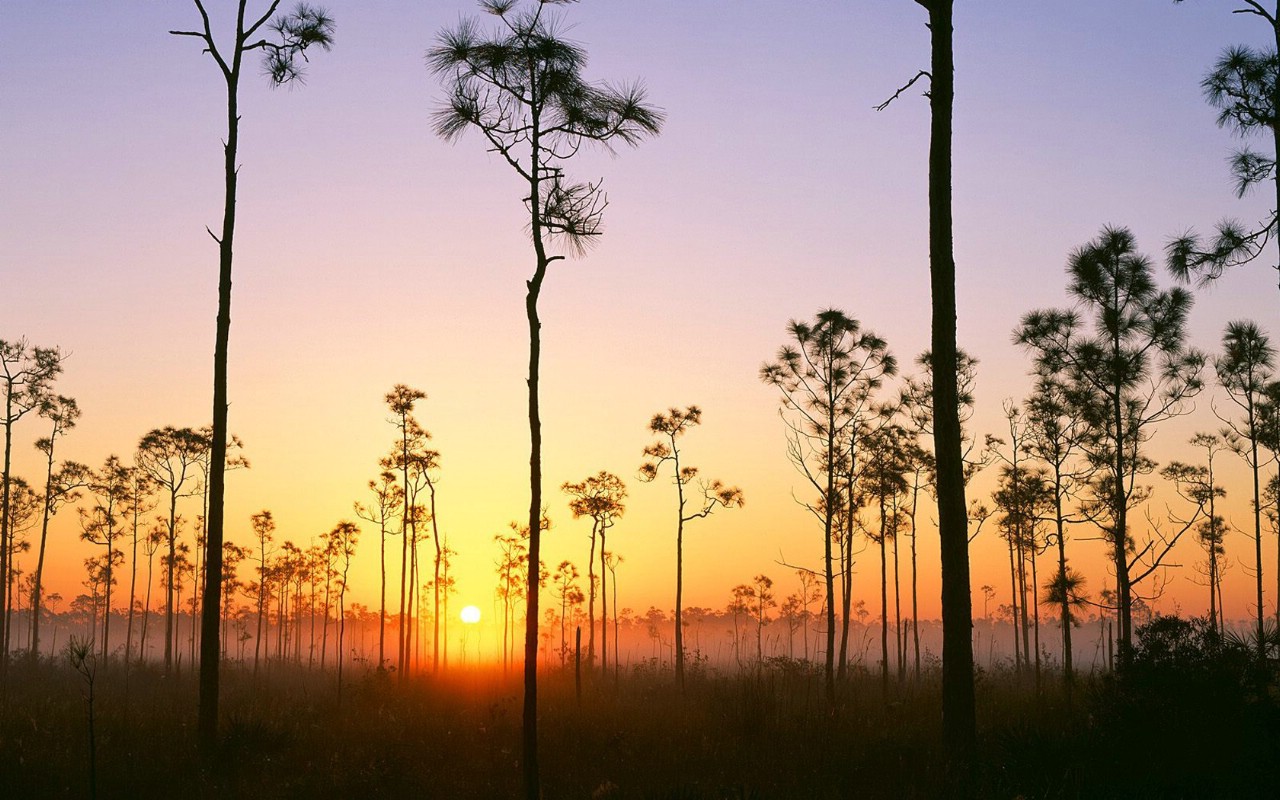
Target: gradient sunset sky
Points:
x,y
370,253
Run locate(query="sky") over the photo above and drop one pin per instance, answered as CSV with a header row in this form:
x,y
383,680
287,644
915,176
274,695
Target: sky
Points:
x,y
370,252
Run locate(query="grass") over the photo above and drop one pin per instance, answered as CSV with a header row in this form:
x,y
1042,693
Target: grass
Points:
x,y
287,734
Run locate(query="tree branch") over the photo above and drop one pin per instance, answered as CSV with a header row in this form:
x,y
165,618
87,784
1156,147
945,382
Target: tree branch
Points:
x,y
908,84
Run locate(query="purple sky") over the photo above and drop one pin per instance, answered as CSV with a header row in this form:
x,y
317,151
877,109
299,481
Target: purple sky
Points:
x,y
369,252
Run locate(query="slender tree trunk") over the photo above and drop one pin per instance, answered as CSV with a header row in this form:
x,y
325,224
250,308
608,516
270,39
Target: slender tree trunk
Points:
x,y
382,593
1257,523
884,617
6,554
1120,536
827,522
915,598
1068,676
209,660
324,620
591,596
146,608
1024,621
435,585
846,594
958,715
680,594
107,579
899,640
529,738
615,626
1013,609
406,522
415,614
604,611
262,602
169,633
133,586
401,631
1275,119
1035,604
37,585
342,629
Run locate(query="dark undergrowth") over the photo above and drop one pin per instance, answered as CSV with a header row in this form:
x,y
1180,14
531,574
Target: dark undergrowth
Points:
x,y
1198,726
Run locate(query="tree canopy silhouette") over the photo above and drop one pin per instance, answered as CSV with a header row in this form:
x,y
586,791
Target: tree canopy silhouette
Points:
x,y
283,62
522,87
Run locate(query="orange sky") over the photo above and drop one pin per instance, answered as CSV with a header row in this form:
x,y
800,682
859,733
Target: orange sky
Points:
x,y
371,253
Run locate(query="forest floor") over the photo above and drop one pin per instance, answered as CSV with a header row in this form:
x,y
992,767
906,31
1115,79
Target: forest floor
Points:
x,y
767,734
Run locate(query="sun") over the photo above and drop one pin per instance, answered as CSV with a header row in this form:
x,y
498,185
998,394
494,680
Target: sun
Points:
x,y
470,615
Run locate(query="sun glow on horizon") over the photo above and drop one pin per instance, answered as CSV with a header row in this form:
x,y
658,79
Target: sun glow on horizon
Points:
x,y
470,615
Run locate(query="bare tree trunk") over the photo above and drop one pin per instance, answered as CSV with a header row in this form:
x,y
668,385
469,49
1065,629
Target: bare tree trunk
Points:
x,y
37,584
846,592
1024,622
1067,656
899,639
958,714
6,555
1035,602
435,585
529,738
146,608
604,610
1013,609
1257,497
172,564
884,606
382,592
915,599
133,588
591,595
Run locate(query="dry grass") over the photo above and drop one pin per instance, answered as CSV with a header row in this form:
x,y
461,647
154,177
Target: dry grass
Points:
x,y
288,734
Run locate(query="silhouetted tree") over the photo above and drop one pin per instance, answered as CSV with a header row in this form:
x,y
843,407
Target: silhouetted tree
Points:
x,y
1023,498
139,502
1244,86
1271,501
387,496
611,561
827,379
155,537
1198,483
26,373
25,504
762,602
283,60
264,525
429,464
882,481
600,497
522,87
100,525
1128,368
513,552
668,428
415,462
1054,433
1245,368
565,587
232,555
59,489
342,541
169,455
